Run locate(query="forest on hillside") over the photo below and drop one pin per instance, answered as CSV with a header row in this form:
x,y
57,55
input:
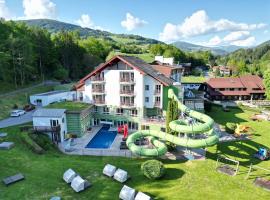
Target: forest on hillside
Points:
x,y
31,54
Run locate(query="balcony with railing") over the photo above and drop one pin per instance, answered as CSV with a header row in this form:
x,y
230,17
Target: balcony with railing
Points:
x,y
127,93
157,103
127,104
98,90
99,101
97,79
127,80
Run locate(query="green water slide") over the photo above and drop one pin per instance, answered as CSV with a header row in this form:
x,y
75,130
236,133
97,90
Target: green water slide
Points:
x,y
204,127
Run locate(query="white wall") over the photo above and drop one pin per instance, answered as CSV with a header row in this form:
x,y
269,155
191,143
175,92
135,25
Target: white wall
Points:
x,y
87,95
48,99
112,87
45,121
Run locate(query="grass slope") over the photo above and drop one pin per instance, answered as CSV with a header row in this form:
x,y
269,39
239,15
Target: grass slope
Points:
x,y
183,180
193,79
21,99
70,106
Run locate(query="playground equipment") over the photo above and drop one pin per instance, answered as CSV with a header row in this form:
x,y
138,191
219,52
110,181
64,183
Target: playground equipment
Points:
x,y
225,165
123,129
259,181
241,129
202,125
262,154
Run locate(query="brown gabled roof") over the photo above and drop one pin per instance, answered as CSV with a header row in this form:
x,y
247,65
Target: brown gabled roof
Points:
x,y
133,62
252,84
234,82
165,69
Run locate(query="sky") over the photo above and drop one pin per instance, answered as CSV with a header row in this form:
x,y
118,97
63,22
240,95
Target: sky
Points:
x,y
204,22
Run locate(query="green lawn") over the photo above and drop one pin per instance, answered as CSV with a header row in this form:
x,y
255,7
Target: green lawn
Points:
x,y
70,106
183,180
20,99
193,79
147,57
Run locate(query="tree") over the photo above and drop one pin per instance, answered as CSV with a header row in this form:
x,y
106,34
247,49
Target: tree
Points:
x,y
171,114
266,81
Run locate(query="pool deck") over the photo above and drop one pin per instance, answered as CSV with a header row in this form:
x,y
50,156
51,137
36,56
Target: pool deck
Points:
x,y
78,147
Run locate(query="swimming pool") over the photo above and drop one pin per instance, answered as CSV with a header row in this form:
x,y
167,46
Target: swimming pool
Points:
x,y
103,139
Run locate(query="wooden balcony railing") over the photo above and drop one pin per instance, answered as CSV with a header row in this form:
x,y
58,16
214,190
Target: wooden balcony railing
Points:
x,y
126,80
128,92
157,92
157,104
98,90
98,101
97,79
127,104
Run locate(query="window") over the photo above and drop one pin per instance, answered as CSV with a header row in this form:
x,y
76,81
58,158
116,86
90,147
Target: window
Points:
x,y
63,120
119,111
106,110
146,99
157,99
146,87
134,112
54,122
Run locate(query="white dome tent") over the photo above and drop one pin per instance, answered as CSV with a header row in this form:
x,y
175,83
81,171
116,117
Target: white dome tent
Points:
x,y
78,184
127,193
69,175
120,175
109,170
142,196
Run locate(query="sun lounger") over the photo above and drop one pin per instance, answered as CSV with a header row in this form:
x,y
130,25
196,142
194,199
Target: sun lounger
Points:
x,y
13,179
127,193
78,184
55,198
120,175
109,170
6,145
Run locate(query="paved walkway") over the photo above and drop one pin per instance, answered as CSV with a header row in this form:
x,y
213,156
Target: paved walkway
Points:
x,y
12,121
80,143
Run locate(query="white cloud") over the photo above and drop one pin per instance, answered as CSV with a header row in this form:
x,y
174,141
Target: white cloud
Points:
x,y
200,24
238,38
216,40
246,42
237,35
37,9
4,11
131,22
85,21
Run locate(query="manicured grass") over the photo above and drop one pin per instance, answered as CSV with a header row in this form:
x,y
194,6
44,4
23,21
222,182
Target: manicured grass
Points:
x,y
183,180
70,106
147,57
20,99
193,79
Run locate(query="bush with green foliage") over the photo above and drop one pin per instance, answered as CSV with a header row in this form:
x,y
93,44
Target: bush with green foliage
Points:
x,y
32,145
207,106
230,127
42,140
153,169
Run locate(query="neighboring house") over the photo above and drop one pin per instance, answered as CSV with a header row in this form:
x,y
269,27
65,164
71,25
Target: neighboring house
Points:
x,y
52,121
246,87
127,90
223,70
194,99
47,98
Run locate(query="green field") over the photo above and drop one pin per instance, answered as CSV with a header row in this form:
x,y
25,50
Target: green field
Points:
x,y
7,102
183,180
70,106
147,57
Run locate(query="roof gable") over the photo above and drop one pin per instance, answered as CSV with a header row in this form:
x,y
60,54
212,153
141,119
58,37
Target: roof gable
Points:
x,y
133,62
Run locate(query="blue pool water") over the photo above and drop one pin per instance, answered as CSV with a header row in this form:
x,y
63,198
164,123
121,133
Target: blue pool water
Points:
x,y
103,139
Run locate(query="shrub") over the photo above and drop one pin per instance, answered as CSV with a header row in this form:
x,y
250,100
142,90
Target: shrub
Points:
x,y
230,127
15,106
32,145
42,140
207,106
153,169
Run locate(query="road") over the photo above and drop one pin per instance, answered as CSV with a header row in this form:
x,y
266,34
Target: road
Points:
x,y
12,121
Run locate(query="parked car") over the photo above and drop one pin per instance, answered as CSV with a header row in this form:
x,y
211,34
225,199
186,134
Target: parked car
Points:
x,y
17,113
29,107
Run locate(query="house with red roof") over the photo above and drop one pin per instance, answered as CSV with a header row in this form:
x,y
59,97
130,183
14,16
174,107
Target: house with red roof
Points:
x,y
246,87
